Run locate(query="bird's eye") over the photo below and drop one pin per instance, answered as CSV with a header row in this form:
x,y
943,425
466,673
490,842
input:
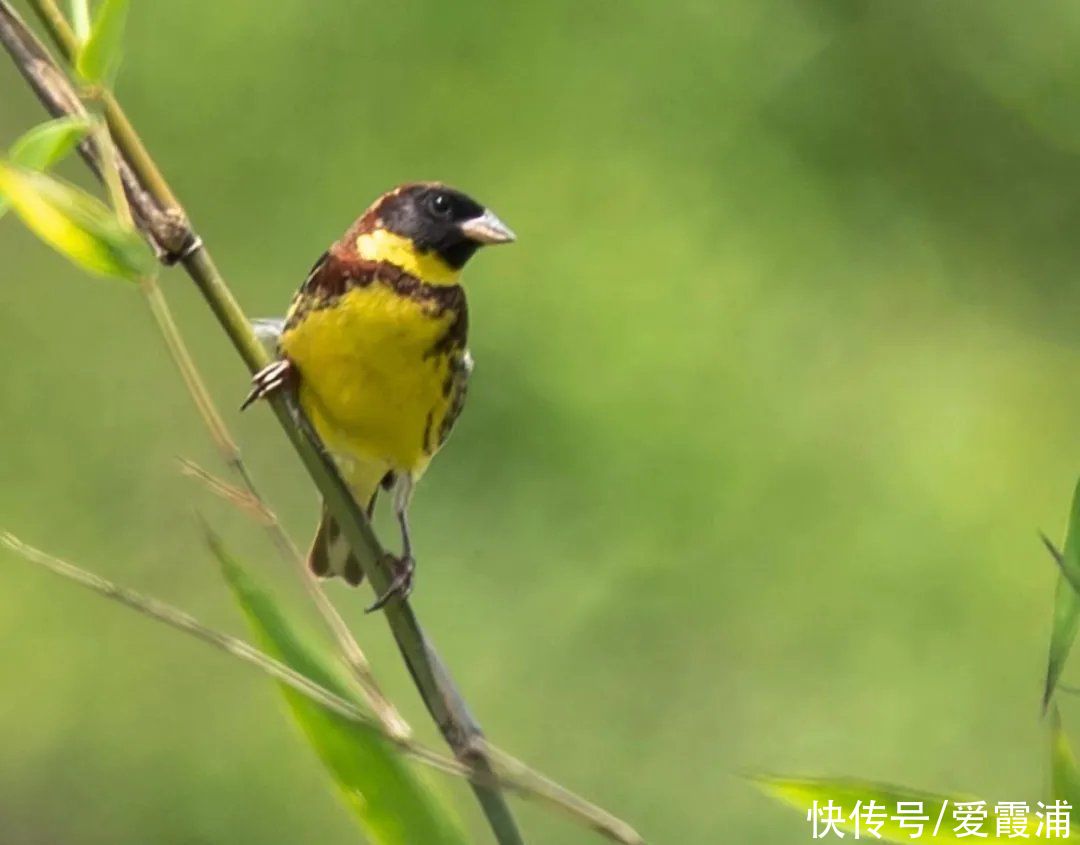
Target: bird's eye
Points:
x,y
440,205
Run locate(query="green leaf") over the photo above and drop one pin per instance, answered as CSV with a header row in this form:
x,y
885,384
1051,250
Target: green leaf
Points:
x,y
46,144
1066,620
806,794
390,799
99,56
75,224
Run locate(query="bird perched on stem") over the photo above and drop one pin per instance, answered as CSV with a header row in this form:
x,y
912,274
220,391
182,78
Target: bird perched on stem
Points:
x,y
375,345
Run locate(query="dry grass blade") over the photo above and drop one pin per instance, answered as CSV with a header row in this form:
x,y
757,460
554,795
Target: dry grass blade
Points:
x,y
528,781
241,499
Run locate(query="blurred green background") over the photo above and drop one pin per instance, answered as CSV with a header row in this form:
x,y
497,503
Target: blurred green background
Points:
x,y
771,398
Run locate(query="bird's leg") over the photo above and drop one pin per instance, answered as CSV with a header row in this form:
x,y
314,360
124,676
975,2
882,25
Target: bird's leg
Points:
x,y
268,379
404,566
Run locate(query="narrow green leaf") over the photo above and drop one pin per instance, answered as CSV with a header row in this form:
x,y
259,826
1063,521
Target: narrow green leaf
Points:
x,y
1066,621
80,19
903,810
99,56
392,802
75,224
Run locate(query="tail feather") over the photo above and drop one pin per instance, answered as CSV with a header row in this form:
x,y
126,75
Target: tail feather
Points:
x,y
330,555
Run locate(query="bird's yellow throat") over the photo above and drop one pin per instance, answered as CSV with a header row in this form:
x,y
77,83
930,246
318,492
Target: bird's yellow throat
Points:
x,y
382,245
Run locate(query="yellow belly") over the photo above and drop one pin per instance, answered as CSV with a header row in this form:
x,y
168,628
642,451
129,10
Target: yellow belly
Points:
x,y
369,382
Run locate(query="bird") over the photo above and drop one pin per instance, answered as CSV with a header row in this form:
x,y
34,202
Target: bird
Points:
x,y
374,347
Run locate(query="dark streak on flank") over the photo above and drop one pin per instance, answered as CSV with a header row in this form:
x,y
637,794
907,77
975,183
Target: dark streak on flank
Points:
x,y
456,388
454,336
425,443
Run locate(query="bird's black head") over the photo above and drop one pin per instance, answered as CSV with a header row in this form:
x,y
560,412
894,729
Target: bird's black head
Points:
x,y
441,220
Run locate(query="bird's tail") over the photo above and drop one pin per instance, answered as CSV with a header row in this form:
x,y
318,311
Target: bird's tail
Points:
x,y
330,555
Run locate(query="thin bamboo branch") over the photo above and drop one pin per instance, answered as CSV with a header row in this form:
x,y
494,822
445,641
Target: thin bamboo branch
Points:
x,y
159,215
189,372
516,777
110,172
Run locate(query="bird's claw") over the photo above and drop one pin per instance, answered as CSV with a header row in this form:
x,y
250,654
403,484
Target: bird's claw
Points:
x,y
401,585
267,380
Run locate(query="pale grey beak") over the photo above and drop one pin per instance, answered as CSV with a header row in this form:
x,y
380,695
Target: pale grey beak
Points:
x,y
487,229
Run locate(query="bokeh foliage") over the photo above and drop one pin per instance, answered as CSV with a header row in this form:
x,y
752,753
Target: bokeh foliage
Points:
x,y
392,802
770,399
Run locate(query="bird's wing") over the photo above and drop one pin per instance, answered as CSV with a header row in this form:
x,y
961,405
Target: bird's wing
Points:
x,y
461,367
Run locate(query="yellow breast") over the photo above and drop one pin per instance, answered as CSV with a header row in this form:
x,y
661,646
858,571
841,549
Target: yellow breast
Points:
x,y
370,381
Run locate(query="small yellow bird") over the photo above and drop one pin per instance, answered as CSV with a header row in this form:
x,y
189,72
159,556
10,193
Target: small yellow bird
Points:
x,y
375,345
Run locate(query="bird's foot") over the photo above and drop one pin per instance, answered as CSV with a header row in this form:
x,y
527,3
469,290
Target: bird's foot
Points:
x,y
267,380
404,567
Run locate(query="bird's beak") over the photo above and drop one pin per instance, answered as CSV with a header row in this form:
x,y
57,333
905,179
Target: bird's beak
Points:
x,y
487,229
